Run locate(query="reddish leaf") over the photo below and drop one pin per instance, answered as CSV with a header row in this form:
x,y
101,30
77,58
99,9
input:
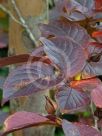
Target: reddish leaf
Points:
x,y
77,129
66,54
39,51
75,16
96,95
86,85
84,6
70,100
93,64
22,120
28,79
80,9
70,129
63,27
86,130
98,36
98,5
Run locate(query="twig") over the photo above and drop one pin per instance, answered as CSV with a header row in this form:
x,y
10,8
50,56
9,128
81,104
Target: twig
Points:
x,y
94,117
47,3
24,22
10,14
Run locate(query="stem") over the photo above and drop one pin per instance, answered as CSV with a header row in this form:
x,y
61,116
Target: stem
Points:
x,y
47,3
21,59
10,14
22,20
94,117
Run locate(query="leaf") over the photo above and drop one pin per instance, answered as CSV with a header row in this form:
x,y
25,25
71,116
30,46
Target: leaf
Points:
x,y
63,27
86,130
84,6
58,9
70,129
78,129
98,5
86,84
28,79
70,100
80,9
93,64
39,51
21,120
75,16
96,95
98,36
65,53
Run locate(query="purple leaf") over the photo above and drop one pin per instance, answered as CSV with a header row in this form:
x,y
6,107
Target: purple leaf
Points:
x,y
70,129
39,51
77,129
64,52
70,100
93,64
84,6
75,16
28,79
63,27
58,9
96,95
22,120
86,130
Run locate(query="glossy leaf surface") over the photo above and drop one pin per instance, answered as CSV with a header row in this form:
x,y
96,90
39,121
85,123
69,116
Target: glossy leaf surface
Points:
x,y
63,27
28,79
86,85
93,64
22,120
65,53
77,129
98,36
70,100
86,130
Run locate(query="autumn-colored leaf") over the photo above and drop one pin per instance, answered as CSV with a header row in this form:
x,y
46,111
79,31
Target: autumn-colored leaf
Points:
x,y
65,53
98,5
78,129
63,27
86,85
98,36
93,64
96,95
86,130
21,120
71,100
